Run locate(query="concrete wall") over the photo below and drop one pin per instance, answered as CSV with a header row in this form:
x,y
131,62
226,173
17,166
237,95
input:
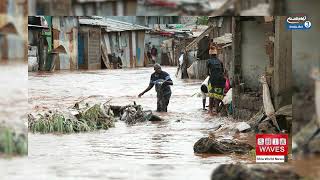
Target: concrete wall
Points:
x,y
305,44
253,54
65,33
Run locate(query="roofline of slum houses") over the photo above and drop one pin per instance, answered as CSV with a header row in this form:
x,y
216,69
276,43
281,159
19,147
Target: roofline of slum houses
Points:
x,y
192,31
111,25
217,8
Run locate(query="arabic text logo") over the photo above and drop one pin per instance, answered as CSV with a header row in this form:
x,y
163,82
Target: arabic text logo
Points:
x,y
298,22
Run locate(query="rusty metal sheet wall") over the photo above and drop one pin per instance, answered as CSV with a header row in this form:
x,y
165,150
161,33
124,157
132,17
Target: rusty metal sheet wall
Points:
x,y
65,33
13,26
126,49
134,48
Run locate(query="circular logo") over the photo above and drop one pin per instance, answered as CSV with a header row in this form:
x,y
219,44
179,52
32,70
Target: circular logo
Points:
x,y
307,24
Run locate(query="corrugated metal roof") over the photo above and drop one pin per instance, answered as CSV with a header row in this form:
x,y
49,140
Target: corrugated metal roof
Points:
x,y
92,22
117,26
112,25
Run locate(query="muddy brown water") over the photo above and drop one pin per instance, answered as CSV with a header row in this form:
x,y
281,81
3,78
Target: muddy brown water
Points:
x,y
308,166
151,150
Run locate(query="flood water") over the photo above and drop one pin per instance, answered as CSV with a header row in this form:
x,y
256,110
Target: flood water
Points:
x,y
14,96
150,150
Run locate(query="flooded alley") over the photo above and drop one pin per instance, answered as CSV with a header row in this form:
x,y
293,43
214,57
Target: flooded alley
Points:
x,y
150,150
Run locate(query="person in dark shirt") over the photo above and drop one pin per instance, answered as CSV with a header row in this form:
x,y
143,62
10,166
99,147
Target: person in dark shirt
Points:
x,y
154,54
162,81
216,83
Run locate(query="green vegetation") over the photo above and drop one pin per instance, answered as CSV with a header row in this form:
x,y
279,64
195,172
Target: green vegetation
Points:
x,y
252,153
202,20
12,143
93,118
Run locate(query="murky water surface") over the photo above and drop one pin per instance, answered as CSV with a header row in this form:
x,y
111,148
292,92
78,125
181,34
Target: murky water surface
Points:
x,y
13,96
151,150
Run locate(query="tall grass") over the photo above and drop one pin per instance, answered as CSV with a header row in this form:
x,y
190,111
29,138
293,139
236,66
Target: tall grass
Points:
x,y
90,119
12,143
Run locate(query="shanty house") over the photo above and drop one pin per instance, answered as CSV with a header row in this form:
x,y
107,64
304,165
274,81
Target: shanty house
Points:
x,y
111,39
89,45
126,41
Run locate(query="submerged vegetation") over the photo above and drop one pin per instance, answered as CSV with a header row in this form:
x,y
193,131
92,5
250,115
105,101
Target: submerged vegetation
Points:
x,y
87,115
89,119
12,143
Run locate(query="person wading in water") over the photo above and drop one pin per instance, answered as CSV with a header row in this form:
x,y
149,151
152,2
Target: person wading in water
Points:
x,y
162,82
216,82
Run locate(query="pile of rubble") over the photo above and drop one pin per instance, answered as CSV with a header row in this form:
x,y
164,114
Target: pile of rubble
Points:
x,y
261,123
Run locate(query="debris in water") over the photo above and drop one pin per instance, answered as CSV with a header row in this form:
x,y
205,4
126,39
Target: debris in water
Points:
x,y
256,172
211,145
87,116
132,114
243,127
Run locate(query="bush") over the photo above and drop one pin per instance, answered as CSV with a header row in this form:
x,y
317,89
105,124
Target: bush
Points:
x,y
90,119
12,143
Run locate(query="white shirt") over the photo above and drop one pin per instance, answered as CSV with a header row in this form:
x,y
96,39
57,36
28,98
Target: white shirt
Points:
x,y
205,82
181,59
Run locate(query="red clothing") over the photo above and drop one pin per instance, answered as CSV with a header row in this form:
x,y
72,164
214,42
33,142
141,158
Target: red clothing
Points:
x,y
227,86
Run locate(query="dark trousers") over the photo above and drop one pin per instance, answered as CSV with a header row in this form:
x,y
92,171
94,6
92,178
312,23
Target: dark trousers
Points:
x,y
162,102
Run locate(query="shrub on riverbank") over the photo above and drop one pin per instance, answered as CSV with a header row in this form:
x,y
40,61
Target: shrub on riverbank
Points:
x,y
12,143
88,119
